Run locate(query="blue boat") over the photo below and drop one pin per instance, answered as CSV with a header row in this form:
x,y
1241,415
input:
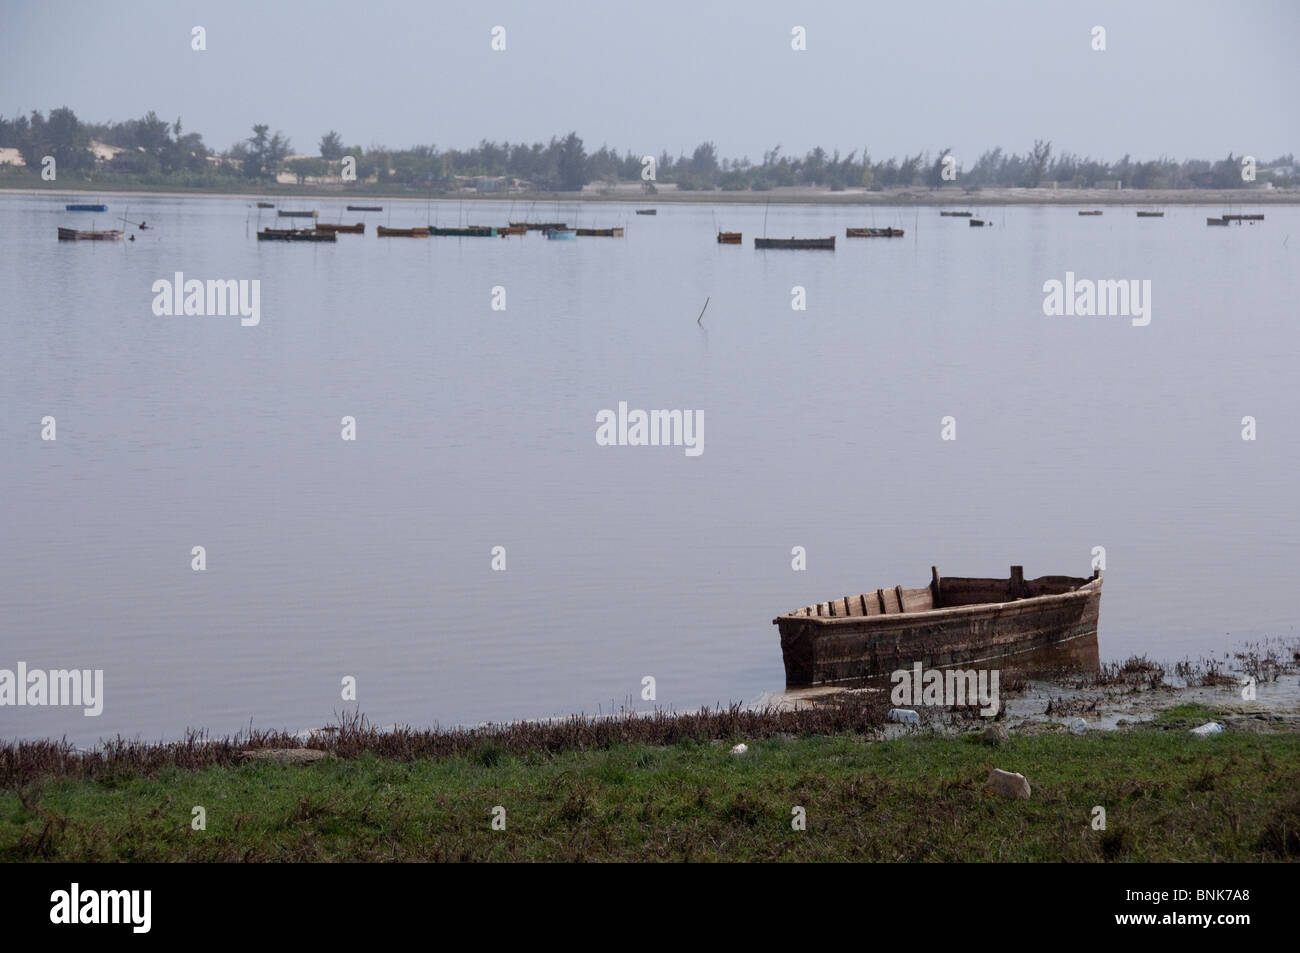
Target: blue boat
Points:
x,y
86,208
561,233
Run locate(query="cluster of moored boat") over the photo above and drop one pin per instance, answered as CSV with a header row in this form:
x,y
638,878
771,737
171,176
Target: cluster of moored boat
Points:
x,y
329,232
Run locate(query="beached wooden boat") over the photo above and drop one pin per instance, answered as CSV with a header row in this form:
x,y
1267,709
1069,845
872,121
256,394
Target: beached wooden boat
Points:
x,y
729,238
75,235
468,231
1216,221
283,214
1151,214
615,232
358,229
647,211
873,233
365,208
1093,212
562,234
421,231
952,621
266,205
1243,218
296,235
537,226
956,214
824,243
505,230
86,208
977,223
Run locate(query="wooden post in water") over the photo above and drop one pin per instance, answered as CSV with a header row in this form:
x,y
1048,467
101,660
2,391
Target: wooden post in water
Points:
x,y
934,585
1016,588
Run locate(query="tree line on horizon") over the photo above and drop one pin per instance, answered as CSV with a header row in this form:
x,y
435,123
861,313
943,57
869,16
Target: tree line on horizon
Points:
x,y
156,152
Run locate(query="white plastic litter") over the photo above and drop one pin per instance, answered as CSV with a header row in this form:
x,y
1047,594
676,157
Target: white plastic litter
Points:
x,y
740,749
904,716
1077,726
1209,728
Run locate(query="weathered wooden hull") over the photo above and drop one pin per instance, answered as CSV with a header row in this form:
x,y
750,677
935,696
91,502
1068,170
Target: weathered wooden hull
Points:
x,y
647,211
956,214
599,232
874,634
873,233
512,230
266,205
358,229
295,235
1243,218
365,208
1096,212
1151,214
729,238
538,226
471,231
1216,221
383,232
283,214
74,235
827,244
977,223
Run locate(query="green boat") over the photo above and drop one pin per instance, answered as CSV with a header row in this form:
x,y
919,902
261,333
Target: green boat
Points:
x,y
469,231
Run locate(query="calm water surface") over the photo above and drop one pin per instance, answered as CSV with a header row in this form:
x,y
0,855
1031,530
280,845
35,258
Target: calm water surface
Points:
x,y
476,428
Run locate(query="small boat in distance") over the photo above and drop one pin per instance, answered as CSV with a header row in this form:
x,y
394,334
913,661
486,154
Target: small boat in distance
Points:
x,y
365,208
1216,221
296,235
419,232
561,233
1243,218
537,226
73,235
266,205
873,233
729,238
1093,212
827,244
358,229
86,208
956,214
512,229
283,214
977,223
615,232
647,211
953,621
1151,214
469,231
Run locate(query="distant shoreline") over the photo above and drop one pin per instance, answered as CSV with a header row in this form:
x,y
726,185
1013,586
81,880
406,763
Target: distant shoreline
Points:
x,y
920,198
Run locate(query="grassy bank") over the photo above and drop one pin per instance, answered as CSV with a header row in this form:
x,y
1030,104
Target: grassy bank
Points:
x,y
1167,796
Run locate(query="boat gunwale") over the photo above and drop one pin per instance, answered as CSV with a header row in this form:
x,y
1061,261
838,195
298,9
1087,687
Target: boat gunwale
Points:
x,y
883,619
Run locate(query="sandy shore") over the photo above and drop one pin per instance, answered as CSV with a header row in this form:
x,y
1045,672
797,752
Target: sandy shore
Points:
x,y
668,195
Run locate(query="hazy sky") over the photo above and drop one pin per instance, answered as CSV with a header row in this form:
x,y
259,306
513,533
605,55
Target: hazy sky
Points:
x,y
1195,78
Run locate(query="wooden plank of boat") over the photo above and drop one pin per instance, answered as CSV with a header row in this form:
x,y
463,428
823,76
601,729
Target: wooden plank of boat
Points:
x,y
647,211
1216,221
561,233
266,205
296,235
385,232
599,232
74,235
358,229
365,208
1093,212
85,208
1151,214
956,214
953,621
469,231
873,233
823,243
729,238
285,214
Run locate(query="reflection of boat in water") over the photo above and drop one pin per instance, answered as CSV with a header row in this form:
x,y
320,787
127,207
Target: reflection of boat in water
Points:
x,y
953,621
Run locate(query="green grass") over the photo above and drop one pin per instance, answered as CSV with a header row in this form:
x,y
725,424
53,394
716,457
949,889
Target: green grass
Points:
x,y
1168,797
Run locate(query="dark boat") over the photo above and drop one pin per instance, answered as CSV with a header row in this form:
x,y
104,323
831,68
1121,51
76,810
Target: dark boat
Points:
x,y
977,223
615,232
873,233
956,214
647,211
1216,221
73,235
86,208
1151,214
469,231
296,235
953,621
283,214
825,243
419,232
538,226
358,229
1094,212
729,238
1243,218
365,208
266,205
505,230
